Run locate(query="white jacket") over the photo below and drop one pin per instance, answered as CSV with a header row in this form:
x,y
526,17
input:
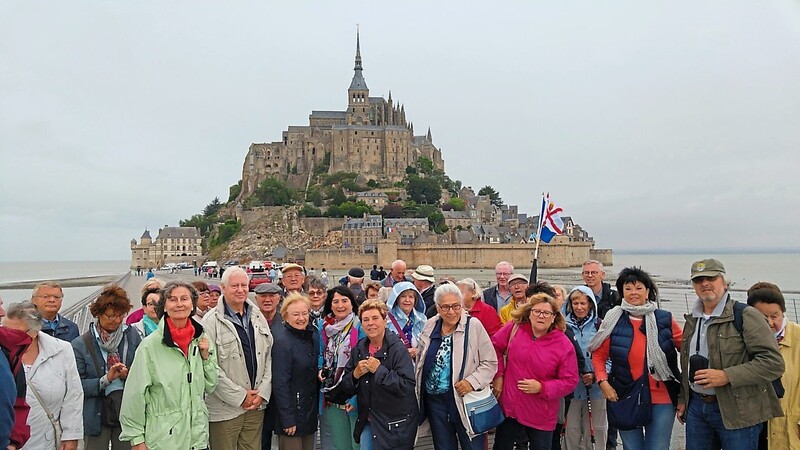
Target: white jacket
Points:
x,y
226,400
54,374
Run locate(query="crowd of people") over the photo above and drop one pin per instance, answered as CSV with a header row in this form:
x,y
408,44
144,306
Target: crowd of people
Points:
x,y
375,363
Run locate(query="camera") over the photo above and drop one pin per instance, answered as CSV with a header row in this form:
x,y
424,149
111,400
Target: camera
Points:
x,y
697,362
328,377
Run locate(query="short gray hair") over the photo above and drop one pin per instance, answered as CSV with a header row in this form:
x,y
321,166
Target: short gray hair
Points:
x,y
27,312
505,263
593,261
166,292
231,271
445,289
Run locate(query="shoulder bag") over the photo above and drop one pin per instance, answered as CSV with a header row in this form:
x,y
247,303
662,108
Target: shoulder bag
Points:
x,y
112,402
480,406
53,421
634,407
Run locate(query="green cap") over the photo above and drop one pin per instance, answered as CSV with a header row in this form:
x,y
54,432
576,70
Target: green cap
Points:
x,y
707,268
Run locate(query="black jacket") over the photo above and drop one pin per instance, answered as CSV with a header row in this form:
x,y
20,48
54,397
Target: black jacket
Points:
x,y
610,298
387,397
430,305
295,386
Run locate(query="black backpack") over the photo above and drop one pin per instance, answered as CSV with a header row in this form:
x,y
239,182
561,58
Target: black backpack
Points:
x,y
738,323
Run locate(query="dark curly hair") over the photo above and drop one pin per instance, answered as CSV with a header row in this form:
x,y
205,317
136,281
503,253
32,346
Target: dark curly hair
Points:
x,y
147,293
634,274
341,290
539,287
114,297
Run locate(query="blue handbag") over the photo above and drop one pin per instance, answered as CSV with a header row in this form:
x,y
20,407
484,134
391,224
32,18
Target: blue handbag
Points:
x,y
480,406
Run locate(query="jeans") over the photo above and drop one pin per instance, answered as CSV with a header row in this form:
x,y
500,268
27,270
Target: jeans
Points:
x,y
654,436
705,430
508,431
366,437
446,426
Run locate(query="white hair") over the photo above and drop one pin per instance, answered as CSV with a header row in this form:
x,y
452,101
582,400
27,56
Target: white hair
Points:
x,y
472,286
231,271
446,289
505,263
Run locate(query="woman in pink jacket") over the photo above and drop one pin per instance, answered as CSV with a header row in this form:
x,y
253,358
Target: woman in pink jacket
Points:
x,y
537,367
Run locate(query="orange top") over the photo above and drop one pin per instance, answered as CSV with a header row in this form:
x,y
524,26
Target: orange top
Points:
x,y
658,390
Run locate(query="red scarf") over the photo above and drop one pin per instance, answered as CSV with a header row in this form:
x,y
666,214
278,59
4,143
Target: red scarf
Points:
x,y
181,336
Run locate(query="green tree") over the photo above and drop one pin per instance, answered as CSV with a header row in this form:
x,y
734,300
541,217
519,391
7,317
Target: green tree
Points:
x,y
494,196
454,204
225,232
212,207
199,221
234,191
425,165
309,211
436,222
314,196
338,197
424,190
372,184
392,211
273,192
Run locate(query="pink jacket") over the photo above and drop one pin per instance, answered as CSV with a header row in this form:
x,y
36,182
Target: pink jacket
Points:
x,y
549,360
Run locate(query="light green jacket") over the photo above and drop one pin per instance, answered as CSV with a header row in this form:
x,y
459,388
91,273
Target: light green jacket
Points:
x,y
163,404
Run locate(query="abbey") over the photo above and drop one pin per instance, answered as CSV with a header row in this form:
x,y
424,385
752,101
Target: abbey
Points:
x,y
372,138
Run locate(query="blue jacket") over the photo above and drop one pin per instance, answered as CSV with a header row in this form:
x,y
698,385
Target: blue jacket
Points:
x,y
90,374
8,395
66,330
402,319
584,332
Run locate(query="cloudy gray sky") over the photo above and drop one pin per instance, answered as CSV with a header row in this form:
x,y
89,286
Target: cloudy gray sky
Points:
x,y
656,125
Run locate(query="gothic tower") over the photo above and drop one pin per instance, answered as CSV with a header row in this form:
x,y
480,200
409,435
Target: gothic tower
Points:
x,y
358,94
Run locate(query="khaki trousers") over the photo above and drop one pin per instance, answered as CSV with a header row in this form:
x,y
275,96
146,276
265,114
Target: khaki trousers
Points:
x,y
239,433
295,442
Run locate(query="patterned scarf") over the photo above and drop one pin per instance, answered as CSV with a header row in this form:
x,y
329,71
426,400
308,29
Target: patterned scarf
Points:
x,y
408,328
337,346
110,343
656,359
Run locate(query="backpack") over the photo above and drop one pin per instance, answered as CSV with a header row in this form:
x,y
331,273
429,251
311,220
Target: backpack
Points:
x,y
738,323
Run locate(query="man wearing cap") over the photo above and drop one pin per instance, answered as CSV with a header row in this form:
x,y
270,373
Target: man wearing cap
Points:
x,y
727,375
499,295
424,280
215,292
397,274
355,280
47,297
517,284
293,278
268,295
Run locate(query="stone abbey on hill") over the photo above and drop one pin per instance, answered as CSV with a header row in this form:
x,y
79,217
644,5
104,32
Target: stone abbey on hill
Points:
x,y
372,138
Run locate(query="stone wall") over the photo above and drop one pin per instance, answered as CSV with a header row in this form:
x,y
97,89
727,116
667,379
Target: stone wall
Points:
x,y
604,255
321,226
559,254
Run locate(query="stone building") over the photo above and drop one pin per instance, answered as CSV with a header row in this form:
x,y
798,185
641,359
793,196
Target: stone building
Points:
x,y
405,230
363,233
372,137
454,219
172,245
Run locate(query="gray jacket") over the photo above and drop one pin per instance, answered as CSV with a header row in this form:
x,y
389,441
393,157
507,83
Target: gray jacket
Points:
x,y
751,361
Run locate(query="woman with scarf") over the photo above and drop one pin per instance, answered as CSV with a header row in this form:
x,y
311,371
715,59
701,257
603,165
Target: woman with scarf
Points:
x,y
641,341
341,331
149,322
103,355
163,405
581,314
406,315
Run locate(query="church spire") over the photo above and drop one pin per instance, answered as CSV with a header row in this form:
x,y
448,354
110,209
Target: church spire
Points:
x,y
358,83
358,50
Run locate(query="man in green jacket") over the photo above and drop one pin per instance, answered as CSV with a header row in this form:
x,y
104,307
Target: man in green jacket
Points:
x,y
727,376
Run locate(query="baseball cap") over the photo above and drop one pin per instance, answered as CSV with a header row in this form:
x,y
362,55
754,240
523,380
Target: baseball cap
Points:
x,y
292,266
707,268
517,276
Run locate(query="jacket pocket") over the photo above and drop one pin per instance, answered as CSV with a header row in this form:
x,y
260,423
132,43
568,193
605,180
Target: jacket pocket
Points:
x,y
161,431
731,348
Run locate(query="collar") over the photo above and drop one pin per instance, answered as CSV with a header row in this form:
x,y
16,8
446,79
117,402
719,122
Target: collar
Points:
x,y
230,312
52,323
782,332
697,311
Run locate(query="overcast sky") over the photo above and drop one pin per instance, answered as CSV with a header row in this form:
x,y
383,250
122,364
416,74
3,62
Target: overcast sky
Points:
x,y
655,125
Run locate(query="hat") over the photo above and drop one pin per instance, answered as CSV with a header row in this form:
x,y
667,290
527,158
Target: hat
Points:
x,y
214,287
707,268
292,266
424,272
268,288
517,276
356,272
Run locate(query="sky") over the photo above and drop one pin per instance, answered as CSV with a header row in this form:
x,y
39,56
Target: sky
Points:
x,y
656,125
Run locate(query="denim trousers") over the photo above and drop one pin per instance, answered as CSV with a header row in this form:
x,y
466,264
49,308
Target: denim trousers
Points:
x,y
705,430
446,426
654,436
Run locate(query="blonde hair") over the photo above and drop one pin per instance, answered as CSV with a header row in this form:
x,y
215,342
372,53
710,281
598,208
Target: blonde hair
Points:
x,y
46,284
523,312
383,294
152,281
373,304
472,286
294,297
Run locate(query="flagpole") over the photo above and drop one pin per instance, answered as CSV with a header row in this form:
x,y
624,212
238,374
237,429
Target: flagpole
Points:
x,y
534,268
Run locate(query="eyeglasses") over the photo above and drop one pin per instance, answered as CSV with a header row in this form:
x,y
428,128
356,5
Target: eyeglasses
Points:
x,y
591,272
454,307
48,297
205,292
503,274
151,304
114,317
316,293
542,313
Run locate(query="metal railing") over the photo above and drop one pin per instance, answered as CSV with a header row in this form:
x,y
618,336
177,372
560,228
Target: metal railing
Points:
x,y
79,312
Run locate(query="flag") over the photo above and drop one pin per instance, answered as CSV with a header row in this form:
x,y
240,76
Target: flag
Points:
x,y
551,223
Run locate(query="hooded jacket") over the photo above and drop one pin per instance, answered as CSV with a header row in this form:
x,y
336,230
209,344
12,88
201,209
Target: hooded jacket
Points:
x,y
55,377
162,404
418,312
14,343
584,332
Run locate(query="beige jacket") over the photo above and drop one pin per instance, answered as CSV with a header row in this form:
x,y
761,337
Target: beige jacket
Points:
x,y
481,364
226,400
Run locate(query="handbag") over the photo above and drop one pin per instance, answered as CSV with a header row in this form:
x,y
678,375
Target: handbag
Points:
x,y
480,406
634,408
112,402
53,421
